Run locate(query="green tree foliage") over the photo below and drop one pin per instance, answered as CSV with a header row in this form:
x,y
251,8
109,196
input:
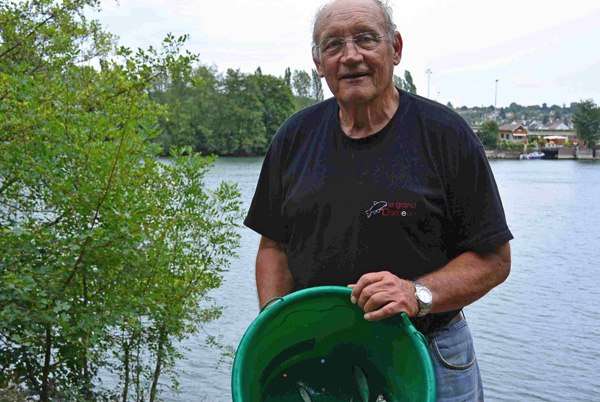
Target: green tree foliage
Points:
x,y
405,83
107,254
408,83
307,88
277,104
317,86
515,108
231,114
489,133
287,77
302,85
545,118
238,125
587,122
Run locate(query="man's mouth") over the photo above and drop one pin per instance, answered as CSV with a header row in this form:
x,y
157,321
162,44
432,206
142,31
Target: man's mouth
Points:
x,y
351,76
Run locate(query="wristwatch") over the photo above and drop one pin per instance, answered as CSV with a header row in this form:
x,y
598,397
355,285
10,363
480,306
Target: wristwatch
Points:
x,y
424,298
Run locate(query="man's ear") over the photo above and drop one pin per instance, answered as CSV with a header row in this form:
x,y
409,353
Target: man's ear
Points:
x,y
397,45
319,69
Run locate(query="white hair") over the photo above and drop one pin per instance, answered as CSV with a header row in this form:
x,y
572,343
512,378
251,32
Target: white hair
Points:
x,y
388,22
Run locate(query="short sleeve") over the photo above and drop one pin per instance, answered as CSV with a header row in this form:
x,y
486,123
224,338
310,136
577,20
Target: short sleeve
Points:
x,y
477,214
265,214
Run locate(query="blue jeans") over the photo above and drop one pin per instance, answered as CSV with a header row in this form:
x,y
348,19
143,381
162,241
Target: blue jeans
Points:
x,y
456,371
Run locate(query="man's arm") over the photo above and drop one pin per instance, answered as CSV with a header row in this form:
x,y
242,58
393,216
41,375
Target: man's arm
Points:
x,y
461,282
273,277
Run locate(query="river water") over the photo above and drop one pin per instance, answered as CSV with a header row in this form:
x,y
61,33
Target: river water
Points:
x,y
536,335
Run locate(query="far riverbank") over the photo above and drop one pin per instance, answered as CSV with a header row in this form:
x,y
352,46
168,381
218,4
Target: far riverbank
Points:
x,y
549,153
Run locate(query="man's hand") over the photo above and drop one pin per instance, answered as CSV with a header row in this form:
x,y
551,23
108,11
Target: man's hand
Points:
x,y
383,294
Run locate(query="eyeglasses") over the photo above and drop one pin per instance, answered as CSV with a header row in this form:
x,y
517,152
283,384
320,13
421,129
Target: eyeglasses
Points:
x,y
365,41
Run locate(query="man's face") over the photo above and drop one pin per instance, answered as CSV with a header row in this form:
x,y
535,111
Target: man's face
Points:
x,y
354,75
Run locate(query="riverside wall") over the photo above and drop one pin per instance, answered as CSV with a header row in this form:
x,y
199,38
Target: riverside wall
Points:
x,y
556,153
494,154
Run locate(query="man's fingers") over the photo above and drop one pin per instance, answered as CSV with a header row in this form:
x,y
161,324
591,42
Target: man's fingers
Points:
x,y
377,301
363,282
386,311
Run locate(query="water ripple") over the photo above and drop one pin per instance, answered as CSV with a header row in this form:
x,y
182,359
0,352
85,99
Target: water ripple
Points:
x,y
536,335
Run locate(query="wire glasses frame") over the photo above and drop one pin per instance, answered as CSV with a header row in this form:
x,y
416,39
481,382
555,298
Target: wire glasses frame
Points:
x,y
364,40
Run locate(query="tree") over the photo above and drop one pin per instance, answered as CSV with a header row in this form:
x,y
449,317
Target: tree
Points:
x,y
545,118
405,83
229,114
587,122
408,83
302,83
176,129
277,104
489,133
514,108
108,254
317,86
238,126
574,107
287,78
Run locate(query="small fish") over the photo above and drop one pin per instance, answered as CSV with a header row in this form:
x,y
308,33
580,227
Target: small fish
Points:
x,y
361,381
304,394
380,398
376,208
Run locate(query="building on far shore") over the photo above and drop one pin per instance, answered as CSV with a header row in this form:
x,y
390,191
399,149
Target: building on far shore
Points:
x,y
554,126
514,132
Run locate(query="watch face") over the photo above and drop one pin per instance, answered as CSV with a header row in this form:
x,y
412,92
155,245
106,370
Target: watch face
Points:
x,y
425,296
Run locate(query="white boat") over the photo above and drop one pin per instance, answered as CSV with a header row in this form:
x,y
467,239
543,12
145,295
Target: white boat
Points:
x,y
533,155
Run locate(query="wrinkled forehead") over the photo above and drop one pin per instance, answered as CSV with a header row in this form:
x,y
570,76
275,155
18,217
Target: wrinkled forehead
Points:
x,y
349,17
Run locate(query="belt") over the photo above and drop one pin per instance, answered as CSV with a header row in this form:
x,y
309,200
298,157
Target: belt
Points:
x,y
458,317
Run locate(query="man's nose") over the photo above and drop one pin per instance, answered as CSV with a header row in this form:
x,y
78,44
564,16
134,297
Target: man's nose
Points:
x,y
351,53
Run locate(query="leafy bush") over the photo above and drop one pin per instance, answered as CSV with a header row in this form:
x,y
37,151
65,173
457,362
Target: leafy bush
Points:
x,y
506,145
107,254
489,133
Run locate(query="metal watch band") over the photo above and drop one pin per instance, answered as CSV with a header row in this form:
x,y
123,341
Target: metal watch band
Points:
x,y
423,306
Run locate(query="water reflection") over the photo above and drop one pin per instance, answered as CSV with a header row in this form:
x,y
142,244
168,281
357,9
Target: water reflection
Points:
x,y
535,335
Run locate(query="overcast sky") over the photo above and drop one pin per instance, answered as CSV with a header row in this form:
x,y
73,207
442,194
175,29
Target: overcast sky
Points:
x,y
540,51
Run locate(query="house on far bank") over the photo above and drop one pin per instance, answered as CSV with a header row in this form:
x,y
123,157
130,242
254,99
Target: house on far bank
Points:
x,y
514,132
554,126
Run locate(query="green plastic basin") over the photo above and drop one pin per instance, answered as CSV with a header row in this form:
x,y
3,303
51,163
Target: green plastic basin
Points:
x,y
315,345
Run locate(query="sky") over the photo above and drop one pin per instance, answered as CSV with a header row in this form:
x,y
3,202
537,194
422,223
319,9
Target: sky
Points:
x,y
539,51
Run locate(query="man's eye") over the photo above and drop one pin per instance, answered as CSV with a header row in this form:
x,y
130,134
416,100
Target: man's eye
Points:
x,y
366,38
333,44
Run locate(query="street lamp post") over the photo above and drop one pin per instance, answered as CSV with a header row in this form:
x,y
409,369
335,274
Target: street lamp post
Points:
x,y
496,98
428,72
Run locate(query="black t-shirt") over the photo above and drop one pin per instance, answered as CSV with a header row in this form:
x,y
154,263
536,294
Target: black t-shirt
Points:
x,y
406,199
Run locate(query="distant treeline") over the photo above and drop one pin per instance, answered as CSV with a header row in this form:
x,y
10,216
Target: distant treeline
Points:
x,y
515,112
235,113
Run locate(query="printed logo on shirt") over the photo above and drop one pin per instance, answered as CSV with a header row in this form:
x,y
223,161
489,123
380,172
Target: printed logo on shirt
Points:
x,y
385,208
376,208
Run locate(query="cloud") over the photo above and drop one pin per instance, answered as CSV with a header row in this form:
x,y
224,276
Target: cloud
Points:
x,y
585,78
528,82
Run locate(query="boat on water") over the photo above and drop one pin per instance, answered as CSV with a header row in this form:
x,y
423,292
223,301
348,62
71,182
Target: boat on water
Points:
x,y
533,155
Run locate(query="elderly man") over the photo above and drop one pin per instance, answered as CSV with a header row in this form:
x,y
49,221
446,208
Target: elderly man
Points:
x,y
384,191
